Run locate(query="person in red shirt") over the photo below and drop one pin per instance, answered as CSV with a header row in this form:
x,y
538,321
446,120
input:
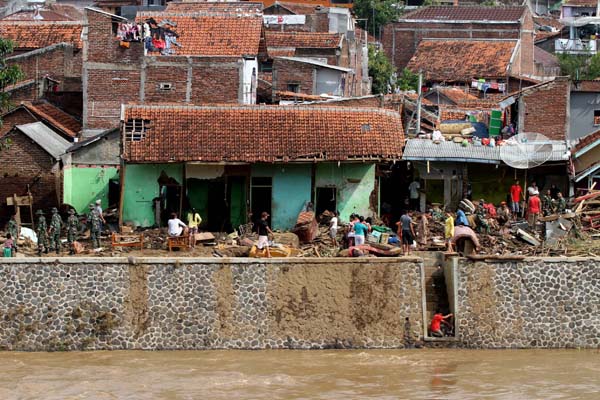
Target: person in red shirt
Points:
x,y
435,329
515,195
534,207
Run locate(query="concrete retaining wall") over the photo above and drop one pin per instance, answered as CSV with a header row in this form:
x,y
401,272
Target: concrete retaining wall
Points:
x,y
116,303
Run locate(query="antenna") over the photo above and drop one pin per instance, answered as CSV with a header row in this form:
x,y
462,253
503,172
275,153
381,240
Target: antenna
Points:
x,y
526,150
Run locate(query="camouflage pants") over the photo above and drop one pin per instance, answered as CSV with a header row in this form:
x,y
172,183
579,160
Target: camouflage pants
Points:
x,y
95,238
55,241
42,242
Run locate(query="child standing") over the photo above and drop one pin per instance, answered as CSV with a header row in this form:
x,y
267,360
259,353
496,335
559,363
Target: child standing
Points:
x,y
8,246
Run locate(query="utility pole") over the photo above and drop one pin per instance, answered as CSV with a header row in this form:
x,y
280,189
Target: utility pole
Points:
x,y
418,128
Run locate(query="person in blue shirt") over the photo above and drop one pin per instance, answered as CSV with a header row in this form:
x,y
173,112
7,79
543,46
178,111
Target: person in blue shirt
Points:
x,y
461,218
360,231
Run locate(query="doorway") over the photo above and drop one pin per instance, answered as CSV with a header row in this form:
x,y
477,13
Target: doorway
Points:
x,y
261,192
326,199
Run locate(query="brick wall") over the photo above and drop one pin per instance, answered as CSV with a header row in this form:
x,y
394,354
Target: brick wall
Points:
x,y
290,72
25,163
544,109
16,117
527,40
400,39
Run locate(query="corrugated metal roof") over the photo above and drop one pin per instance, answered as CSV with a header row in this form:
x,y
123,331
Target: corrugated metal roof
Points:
x,y
427,150
49,140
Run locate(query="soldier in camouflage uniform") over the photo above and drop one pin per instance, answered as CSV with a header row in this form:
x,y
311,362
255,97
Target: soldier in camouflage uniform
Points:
x,y
41,230
481,214
93,221
547,204
561,203
13,229
72,229
56,224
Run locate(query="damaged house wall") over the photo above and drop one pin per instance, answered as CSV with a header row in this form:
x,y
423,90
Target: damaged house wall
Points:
x,y
354,183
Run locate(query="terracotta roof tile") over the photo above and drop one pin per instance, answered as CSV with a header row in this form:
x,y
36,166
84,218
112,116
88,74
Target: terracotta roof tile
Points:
x,y
202,35
30,15
227,8
39,34
585,141
467,13
55,117
263,134
287,95
306,40
456,95
296,8
462,60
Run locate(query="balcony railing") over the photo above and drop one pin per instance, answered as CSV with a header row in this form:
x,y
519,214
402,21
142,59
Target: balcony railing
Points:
x,y
575,46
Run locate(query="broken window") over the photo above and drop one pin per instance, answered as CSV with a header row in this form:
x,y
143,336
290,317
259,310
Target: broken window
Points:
x,y
596,117
136,129
293,87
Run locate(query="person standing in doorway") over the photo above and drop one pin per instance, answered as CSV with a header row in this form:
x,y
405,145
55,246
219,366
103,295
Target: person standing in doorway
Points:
x,y
414,188
194,221
408,232
263,233
515,195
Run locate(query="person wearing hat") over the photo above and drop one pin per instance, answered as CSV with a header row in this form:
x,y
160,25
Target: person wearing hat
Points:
x,y
56,224
72,229
98,209
503,213
41,230
263,233
93,221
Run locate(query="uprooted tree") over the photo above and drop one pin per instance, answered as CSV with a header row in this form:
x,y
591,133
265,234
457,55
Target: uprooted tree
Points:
x,y
9,75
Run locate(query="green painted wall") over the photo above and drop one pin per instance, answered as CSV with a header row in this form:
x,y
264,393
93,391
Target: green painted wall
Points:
x,y
238,201
83,186
492,184
291,189
354,183
141,186
197,192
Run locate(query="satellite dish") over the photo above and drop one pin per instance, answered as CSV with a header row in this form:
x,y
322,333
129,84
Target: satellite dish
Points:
x,y
526,150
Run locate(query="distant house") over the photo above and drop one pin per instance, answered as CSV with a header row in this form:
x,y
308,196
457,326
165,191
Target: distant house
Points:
x,y
586,160
232,161
32,163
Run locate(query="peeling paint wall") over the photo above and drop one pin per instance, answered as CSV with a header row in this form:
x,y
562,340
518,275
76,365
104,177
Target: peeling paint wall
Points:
x,y
141,186
354,183
84,185
291,190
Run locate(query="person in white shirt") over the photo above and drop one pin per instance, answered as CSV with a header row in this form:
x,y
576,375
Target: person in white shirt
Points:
x,y
533,189
333,227
98,209
414,194
176,226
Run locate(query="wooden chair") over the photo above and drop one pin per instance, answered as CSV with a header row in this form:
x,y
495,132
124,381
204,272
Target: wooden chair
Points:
x,y
179,242
127,240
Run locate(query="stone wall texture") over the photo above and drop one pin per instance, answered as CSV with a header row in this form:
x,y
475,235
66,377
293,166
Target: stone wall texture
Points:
x,y
118,303
205,303
537,303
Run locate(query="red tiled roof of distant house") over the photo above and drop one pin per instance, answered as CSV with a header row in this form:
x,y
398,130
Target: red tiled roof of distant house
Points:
x,y
263,134
467,13
305,40
30,15
462,60
202,35
585,141
456,95
39,34
54,116
297,8
233,8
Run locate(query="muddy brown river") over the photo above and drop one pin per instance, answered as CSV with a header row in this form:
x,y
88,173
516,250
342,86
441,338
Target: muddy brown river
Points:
x,y
385,374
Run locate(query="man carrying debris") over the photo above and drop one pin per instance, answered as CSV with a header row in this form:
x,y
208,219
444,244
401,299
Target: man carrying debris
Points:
x,y
93,221
13,229
56,224
263,233
72,229
533,210
561,203
41,230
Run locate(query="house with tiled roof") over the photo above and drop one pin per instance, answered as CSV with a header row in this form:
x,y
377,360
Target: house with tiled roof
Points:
x,y
230,161
216,61
586,160
402,38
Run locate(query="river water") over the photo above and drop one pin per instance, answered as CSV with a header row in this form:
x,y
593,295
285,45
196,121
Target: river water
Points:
x,y
381,374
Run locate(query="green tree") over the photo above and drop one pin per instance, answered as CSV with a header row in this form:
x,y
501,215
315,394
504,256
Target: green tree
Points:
x,y
408,80
9,75
381,70
580,67
376,13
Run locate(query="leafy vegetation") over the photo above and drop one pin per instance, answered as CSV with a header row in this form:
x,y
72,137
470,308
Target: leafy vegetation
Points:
x,y
376,13
9,75
381,70
580,67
